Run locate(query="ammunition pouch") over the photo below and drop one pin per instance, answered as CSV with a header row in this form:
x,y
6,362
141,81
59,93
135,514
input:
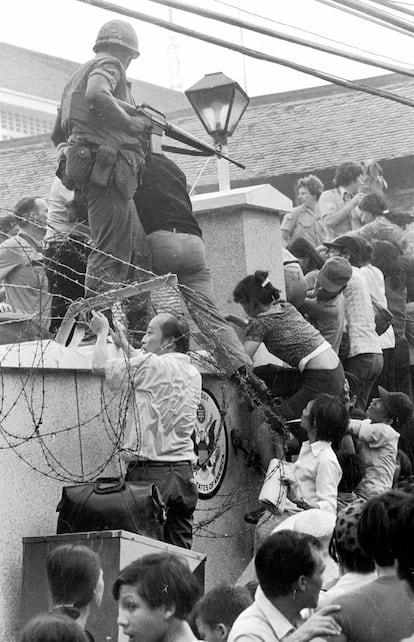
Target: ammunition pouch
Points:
x,y
126,173
78,164
105,159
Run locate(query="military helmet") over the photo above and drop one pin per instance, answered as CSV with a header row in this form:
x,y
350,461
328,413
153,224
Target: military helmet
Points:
x,y
117,32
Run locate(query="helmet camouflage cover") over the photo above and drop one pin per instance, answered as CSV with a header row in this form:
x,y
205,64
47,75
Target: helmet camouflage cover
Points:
x,y
117,32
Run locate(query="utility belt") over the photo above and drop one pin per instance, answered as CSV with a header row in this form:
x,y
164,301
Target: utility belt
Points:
x,y
102,165
176,228
144,463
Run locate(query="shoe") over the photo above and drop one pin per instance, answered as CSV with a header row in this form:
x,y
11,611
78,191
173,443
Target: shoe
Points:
x,y
254,516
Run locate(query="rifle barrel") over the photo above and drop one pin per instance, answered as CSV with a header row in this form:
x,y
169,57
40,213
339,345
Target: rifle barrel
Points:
x,y
188,139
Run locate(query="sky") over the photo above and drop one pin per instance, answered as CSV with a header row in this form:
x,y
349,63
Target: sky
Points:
x,y
67,29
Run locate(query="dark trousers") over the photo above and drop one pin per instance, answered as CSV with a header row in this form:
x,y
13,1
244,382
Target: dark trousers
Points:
x,y
118,240
65,263
365,368
314,383
179,492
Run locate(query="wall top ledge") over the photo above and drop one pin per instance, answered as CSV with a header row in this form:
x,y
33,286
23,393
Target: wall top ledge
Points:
x,y
264,197
47,355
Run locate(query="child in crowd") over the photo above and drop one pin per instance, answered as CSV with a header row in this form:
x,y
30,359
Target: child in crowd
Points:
x,y
327,310
215,613
378,440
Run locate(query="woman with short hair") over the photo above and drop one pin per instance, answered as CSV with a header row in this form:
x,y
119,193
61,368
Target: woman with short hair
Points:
x,y
305,220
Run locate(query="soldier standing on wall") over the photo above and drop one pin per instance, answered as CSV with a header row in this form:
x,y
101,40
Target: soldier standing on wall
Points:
x,y
104,155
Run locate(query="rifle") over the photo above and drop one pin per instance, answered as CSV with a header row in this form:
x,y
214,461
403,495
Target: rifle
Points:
x,y
160,126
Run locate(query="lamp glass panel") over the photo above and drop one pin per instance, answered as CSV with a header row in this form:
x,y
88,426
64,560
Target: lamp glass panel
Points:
x,y
212,107
240,102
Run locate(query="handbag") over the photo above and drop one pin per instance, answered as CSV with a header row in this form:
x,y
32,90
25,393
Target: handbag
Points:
x,y
383,318
111,503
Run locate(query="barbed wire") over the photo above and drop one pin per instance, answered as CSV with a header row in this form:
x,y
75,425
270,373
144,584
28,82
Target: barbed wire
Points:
x,y
117,412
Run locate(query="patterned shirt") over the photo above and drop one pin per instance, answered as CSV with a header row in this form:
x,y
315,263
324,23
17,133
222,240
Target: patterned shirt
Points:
x,y
382,229
360,317
285,333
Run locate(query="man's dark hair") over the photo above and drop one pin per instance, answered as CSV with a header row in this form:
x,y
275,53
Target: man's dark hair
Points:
x,y
329,416
222,605
378,528
72,573
301,248
282,559
347,173
161,579
23,208
178,329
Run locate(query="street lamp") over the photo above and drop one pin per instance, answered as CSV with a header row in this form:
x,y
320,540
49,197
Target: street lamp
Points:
x,y
219,102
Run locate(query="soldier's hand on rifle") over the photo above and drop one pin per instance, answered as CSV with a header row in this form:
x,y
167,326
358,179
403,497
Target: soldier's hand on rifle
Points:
x,y
140,125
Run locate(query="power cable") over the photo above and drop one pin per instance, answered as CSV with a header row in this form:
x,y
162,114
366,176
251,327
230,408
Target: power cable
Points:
x,y
409,10
311,33
265,31
373,12
342,82
358,12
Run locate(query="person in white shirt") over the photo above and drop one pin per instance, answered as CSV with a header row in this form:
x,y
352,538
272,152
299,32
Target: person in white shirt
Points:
x,y
161,416
316,472
364,360
289,568
378,440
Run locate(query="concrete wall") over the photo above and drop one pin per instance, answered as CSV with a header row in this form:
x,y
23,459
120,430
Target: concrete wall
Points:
x,y
59,425
241,230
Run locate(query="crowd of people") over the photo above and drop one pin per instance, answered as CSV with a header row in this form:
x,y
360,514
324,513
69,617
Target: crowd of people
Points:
x,y
369,597
337,409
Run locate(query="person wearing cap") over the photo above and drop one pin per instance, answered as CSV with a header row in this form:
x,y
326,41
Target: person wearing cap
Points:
x,y
364,360
105,137
355,567
327,310
337,205
378,438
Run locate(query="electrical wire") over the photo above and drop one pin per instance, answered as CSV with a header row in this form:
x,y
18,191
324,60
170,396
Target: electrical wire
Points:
x,y
360,14
312,33
336,80
409,10
265,31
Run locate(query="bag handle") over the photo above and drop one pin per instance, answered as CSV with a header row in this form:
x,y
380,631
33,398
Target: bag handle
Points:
x,y
107,485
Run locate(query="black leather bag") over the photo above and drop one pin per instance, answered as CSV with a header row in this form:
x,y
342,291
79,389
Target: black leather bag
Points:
x,y
111,503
